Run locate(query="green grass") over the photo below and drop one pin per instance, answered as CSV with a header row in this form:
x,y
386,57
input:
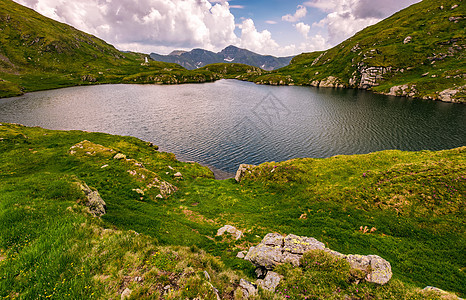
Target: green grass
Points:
x,y
50,244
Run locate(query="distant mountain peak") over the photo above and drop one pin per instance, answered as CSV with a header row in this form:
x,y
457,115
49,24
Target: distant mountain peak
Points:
x,y
177,52
198,58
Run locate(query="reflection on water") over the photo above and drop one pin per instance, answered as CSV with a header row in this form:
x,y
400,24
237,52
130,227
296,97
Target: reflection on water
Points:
x,y
229,122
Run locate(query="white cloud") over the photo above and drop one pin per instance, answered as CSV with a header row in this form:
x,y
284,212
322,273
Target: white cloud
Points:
x,y
149,24
271,22
303,28
298,15
346,17
256,41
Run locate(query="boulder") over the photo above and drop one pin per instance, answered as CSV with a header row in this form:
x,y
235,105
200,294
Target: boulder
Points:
x,y
119,156
126,294
96,204
270,282
248,289
440,292
378,269
243,170
237,234
275,249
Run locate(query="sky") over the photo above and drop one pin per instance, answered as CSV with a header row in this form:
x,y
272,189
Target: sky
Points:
x,y
275,27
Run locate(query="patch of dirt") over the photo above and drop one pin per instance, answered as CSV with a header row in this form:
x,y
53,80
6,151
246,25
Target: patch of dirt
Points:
x,y
196,217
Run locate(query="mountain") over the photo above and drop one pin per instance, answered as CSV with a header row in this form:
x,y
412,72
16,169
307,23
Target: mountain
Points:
x,y
39,53
417,52
198,58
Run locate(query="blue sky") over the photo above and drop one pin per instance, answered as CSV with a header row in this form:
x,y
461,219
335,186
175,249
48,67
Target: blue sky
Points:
x,y
277,27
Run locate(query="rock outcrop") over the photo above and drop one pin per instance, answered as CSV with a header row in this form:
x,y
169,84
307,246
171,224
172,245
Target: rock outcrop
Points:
x,y
237,234
275,249
243,170
270,282
248,289
94,202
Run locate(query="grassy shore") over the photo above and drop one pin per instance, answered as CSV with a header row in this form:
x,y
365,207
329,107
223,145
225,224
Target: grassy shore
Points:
x,y
51,247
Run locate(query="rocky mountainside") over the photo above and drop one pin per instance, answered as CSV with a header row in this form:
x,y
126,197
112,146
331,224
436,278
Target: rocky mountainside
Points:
x,y
198,58
417,52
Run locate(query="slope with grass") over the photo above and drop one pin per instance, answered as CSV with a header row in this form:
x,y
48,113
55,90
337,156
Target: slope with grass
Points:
x,y
417,52
159,232
38,53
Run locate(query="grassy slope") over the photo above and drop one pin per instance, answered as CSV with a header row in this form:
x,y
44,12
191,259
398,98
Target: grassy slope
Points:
x,y
433,32
49,245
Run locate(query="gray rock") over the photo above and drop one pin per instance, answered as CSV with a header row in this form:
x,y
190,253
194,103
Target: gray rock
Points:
x,y
270,282
126,294
240,255
237,234
300,244
407,40
274,250
378,269
247,288
178,175
265,256
207,276
447,95
95,203
243,170
440,292
119,156
138,279
273,239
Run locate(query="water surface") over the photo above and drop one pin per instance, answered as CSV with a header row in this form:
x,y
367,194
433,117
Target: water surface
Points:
x,y
229,122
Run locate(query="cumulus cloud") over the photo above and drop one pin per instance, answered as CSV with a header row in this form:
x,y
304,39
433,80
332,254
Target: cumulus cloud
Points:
x,y
149,24
303,28
257,41
298,15
346,17
271,22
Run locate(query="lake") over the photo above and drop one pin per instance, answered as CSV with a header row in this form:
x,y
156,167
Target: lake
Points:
x,y
229,122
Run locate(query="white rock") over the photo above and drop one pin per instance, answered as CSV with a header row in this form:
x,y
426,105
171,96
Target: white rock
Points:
x,y
126,294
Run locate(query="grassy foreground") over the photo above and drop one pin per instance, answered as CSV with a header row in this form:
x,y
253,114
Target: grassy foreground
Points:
x,y
51,247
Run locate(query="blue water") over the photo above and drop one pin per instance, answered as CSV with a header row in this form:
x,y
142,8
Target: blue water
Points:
x,y
229,122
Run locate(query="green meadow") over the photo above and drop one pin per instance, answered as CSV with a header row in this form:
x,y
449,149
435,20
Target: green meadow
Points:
x,y
407,207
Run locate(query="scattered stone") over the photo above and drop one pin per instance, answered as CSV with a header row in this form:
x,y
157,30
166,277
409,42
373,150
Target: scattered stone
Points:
x,y
178,175
240,255
139,191
104,166
171,168
215,290
425,74
119,156
138,279
440,292
247,288
95,203
454,6
378,269
237,234
270,282
407,40
167,287
447,95
242,170
159,196
207,276
126,294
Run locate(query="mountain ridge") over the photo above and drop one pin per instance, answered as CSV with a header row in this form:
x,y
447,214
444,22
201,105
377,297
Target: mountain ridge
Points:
x,y
197,58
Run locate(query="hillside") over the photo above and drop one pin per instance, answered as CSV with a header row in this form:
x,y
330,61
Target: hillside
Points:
x,y
157,235
417,52
38,53
198,58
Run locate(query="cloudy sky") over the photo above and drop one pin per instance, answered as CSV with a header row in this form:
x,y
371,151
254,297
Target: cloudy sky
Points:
x,y
277,27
